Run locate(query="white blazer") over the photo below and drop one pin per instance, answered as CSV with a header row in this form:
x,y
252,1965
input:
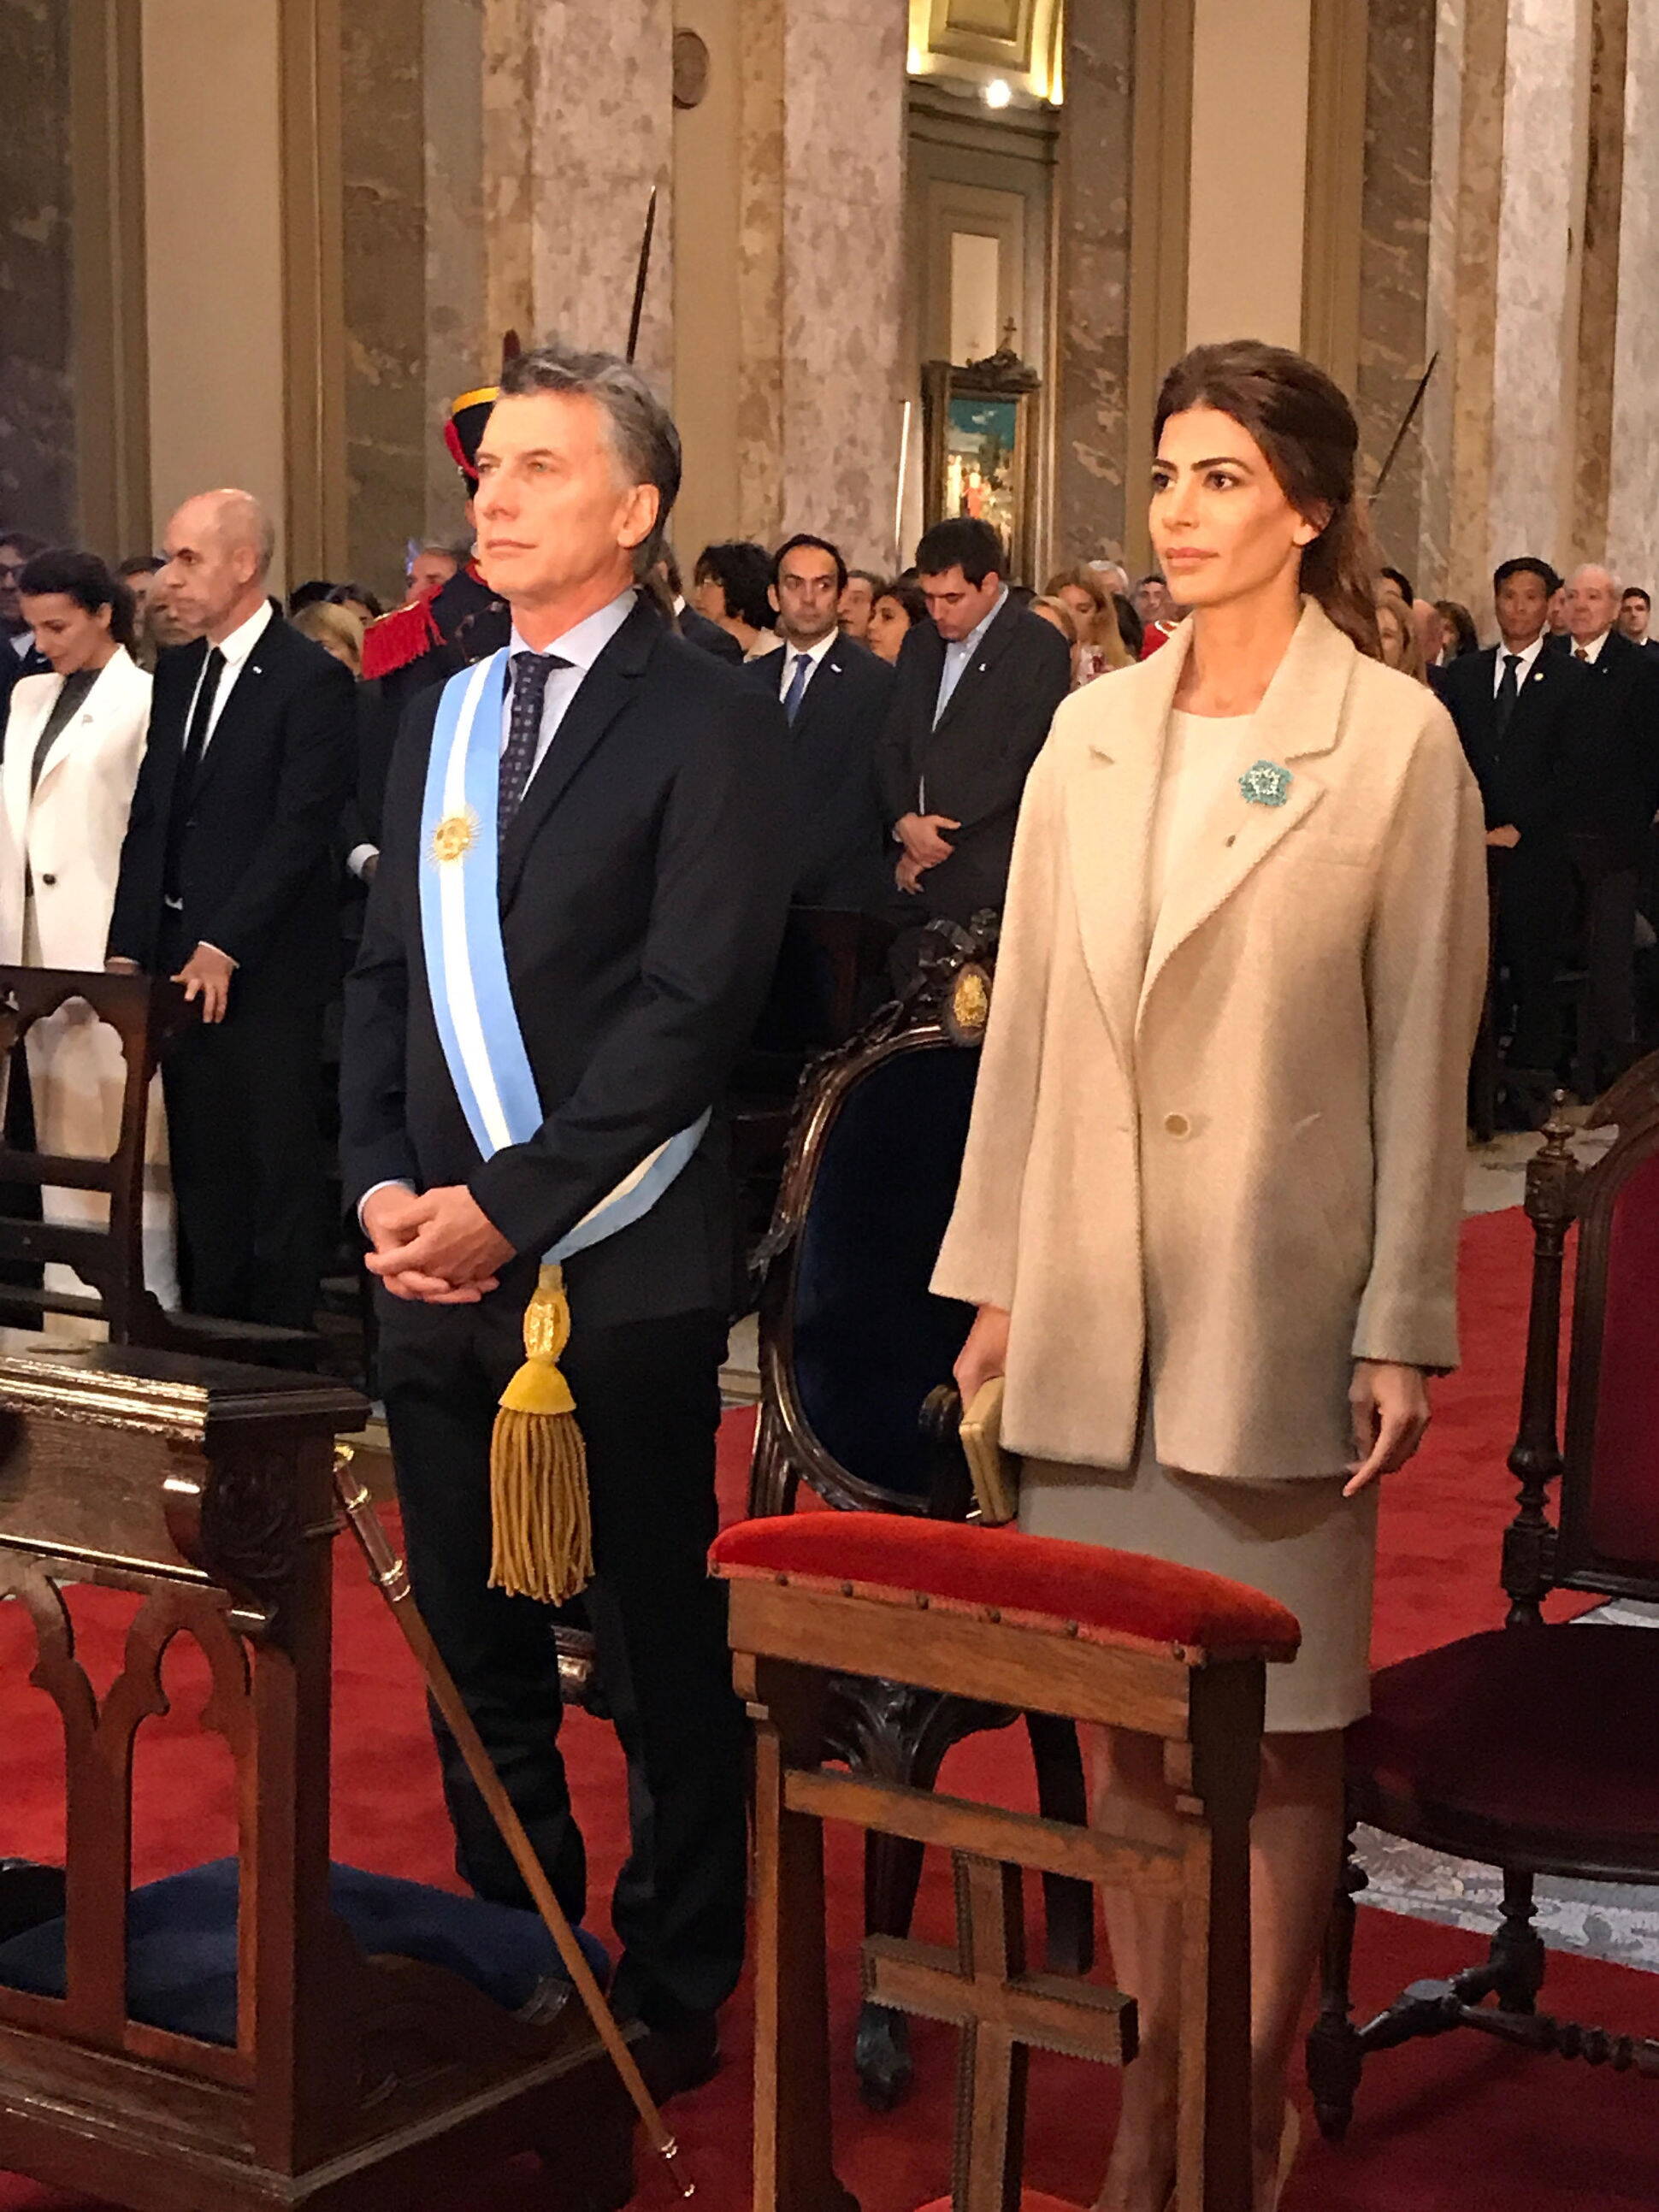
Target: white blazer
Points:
x,y
68,834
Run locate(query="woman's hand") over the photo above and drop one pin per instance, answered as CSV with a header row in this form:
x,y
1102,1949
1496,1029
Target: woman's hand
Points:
x,y
1390,1408
985,1355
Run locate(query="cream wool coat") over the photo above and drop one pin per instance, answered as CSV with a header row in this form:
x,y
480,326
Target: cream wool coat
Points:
x,y
68,833
1231,1157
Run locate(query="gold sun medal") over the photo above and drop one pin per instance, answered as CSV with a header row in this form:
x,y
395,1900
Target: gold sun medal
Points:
x,y
453,837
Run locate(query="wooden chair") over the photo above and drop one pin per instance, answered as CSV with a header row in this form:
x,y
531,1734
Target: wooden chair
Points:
x,y
855,1358
144,1012
269,2031
1524,1746
1071,1630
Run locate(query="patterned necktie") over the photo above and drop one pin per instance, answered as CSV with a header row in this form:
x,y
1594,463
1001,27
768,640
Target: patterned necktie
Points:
x,y
797,691
1579,652
1509,690
530,673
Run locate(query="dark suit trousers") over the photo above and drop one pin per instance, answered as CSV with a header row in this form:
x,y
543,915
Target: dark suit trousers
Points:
x,y
1534,899
1608,877
244,1100
647,1397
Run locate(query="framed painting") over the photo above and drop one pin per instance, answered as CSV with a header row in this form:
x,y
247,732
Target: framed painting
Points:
x,y
980,448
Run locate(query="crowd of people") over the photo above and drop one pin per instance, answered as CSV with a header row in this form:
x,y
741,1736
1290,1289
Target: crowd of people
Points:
x,y
917,704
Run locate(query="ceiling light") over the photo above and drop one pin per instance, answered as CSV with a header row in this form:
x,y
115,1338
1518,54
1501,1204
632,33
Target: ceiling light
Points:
x,y
996,92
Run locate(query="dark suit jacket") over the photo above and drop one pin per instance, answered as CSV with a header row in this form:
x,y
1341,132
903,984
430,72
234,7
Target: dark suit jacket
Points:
x,y
260,823
1610,778
846,856
697,629
14,665
643,890
1519,778
975,764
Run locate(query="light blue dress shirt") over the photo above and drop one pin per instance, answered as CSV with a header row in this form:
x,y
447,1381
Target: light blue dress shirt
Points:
x,y
581,647
958,656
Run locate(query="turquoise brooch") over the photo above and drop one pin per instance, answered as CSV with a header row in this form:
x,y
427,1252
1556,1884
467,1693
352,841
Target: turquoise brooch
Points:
x,y
1267,784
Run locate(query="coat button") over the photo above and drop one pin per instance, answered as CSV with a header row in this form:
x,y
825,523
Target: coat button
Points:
x,y
1177,1125
48,879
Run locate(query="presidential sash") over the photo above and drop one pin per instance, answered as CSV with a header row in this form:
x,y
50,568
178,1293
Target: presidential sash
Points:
x,y
543,1544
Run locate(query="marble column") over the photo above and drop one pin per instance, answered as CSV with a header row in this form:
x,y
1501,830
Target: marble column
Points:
x,y
1534,360
1633,491
462,349
1394,268
601,136
1470,186
821,271
1590,489
1093,437
383,194
37,400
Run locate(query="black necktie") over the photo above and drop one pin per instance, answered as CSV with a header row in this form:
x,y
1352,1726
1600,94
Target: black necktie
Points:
x,y
201,714
530,673
1509,690
189,761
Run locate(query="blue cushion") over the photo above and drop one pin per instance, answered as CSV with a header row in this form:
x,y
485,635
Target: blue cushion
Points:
x,y
871,1339
181,1944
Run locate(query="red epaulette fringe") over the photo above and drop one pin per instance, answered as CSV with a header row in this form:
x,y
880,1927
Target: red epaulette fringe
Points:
x,y
399,638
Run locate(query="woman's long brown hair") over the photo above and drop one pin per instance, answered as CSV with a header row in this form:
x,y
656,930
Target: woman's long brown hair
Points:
x,y
1304,424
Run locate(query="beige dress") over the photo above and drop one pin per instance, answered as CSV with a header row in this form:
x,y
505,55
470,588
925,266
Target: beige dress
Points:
x,y
1300,1542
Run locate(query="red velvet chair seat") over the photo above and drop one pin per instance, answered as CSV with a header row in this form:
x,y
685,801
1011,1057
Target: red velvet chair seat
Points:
x,y
1031,2200
1525,1739
1036,1582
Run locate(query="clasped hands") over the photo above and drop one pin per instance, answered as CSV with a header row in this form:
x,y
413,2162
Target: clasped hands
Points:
x,y
436,1248
924,847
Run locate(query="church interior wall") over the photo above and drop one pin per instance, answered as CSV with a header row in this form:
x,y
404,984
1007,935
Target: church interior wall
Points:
x,y
37,387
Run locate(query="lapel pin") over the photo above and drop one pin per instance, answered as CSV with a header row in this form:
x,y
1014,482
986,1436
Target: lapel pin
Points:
x,y
1266,784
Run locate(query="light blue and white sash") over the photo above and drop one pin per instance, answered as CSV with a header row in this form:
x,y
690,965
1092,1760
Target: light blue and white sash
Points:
x,y
467,960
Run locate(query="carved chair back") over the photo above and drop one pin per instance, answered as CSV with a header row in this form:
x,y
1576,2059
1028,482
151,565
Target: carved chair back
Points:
x,y
852,1340
1607,1537
145,1012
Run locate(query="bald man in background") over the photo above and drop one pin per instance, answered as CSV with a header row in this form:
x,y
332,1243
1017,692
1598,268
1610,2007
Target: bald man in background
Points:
x,y
226,884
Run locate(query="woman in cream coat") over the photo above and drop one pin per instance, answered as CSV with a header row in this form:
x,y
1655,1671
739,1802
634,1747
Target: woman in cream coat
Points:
x,y
73,743
1210,1206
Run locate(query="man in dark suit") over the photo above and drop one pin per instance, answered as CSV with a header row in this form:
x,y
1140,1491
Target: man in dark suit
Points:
x,y
1518,706
1608,794
835,694
977,689
1635,613
19,654
645,869
226,884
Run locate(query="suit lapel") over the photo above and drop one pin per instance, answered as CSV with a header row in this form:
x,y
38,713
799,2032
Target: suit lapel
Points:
x,y
826,675
242,703
1110,822
991,648
1298,719
603,692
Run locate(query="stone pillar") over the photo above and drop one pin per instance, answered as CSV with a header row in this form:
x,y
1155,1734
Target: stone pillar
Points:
x,y
1394,269
1534,360
1471,187
602,135
820,248
37,417
384,209
1633,493
1093,437
1598,278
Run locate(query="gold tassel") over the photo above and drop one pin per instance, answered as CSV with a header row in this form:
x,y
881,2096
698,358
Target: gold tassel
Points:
x,y
544,1538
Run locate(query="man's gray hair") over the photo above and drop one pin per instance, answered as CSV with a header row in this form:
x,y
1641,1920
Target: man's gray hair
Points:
x,y
643,438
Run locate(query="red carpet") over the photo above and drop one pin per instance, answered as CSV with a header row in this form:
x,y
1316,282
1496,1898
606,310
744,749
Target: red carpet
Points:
x,y
1442,2127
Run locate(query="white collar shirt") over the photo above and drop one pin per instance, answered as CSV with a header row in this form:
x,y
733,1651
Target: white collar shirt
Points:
x,y
815,656
236,652
22,642
958,654
1528,660
578,648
